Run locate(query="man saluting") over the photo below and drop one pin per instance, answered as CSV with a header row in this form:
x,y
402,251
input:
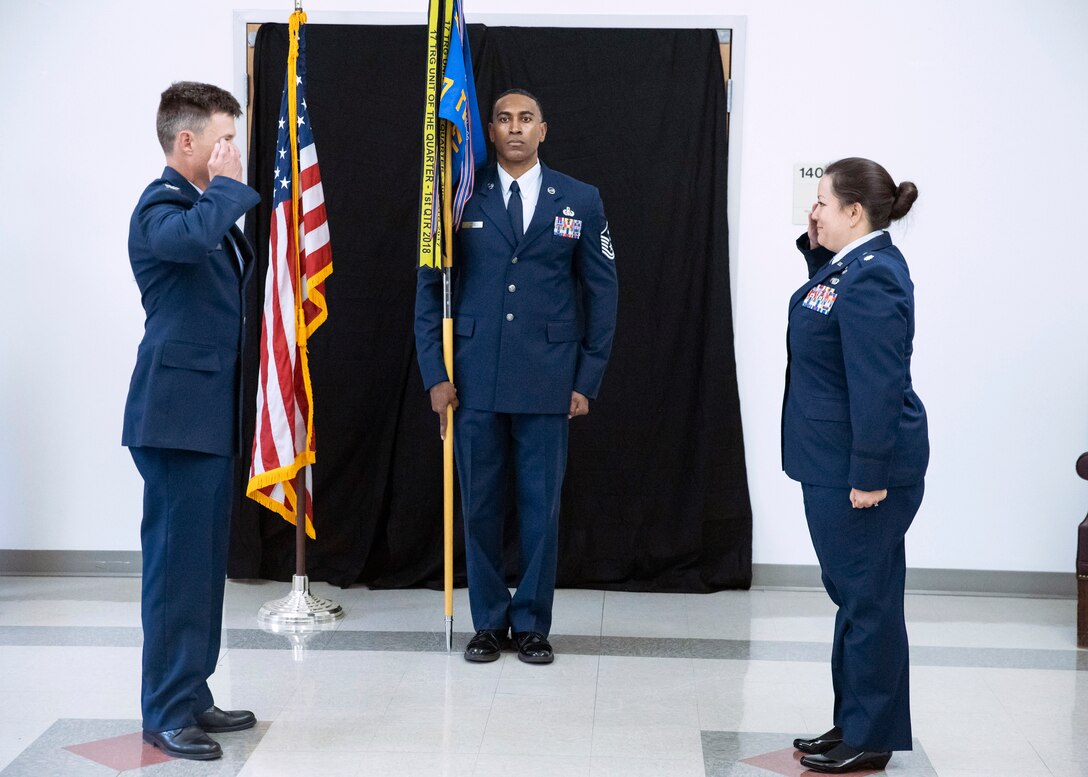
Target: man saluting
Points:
x,y
534,306
182,415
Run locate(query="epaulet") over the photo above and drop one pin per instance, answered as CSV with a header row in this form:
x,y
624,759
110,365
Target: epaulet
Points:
x,y
864,260
868,258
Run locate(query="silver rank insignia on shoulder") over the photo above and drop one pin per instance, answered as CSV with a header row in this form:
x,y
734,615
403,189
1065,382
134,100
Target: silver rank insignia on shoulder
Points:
x,y
171,187
834,281
866,258
568,212
551,190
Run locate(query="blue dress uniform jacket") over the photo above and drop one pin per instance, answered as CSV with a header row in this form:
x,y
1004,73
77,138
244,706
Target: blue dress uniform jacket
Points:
x,y
182,428
184,392
533,321
533,318
851,419
850,415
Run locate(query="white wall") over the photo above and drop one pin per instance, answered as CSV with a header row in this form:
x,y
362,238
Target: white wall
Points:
x,y
980,103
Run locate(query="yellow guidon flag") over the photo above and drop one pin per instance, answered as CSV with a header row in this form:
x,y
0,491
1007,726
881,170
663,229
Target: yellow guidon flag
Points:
x,y
452,142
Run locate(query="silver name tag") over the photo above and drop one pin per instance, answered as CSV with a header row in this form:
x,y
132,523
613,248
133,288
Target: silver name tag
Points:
x,y
472,225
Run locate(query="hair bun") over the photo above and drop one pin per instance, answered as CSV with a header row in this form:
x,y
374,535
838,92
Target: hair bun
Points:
x,y
905,195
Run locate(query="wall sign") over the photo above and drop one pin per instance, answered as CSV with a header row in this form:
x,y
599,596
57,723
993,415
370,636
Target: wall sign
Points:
x,y
806,177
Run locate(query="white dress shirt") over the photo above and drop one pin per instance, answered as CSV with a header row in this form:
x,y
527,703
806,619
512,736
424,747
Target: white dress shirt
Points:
x,y
529,184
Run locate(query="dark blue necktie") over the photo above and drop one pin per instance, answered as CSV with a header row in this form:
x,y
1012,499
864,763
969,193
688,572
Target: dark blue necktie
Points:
x,y
513,208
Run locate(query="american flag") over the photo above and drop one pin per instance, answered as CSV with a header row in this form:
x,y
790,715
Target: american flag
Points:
x,y
284,438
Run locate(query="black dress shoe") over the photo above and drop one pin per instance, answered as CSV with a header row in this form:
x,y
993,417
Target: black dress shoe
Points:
x,y
190,742
533,648
485,646
216,721
820,744
843,758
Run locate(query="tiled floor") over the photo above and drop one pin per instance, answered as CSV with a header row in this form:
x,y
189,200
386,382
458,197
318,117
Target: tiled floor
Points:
x,y
644,685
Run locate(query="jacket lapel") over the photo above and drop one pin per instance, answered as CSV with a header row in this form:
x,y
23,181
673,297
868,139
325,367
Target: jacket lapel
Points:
x,y
490,194
244,249
545,201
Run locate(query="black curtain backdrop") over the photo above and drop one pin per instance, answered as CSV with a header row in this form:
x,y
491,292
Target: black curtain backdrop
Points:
x,y
656,494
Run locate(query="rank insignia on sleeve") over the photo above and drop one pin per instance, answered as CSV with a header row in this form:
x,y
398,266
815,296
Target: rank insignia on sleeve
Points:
x,y
820,298
565,227
606,244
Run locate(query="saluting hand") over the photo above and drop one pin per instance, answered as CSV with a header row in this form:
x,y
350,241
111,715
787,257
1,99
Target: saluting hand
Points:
x,y
443,395
579,404
226,160
813,236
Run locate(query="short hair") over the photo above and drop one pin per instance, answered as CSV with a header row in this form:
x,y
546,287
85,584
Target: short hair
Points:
x,y
864,181
523,93
188,105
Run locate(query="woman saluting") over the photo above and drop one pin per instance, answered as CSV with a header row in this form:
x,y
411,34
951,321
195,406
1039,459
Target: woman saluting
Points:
x,y
854,435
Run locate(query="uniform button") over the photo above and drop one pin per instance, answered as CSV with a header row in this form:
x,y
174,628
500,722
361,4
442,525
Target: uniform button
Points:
x,y
514,260
509,316
511,288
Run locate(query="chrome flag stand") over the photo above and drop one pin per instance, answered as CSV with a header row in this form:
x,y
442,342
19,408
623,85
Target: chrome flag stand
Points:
x,y
300,610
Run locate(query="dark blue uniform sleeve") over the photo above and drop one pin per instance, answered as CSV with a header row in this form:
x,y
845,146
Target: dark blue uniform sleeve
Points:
x,y
178,233
873,320
595,266
428,327
815,257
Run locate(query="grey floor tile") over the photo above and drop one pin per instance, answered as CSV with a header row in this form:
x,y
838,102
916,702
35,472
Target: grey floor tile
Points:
x,y
644,685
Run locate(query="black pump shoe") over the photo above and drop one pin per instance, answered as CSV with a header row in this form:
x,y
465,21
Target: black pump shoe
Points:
x,y
820,744
843,759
